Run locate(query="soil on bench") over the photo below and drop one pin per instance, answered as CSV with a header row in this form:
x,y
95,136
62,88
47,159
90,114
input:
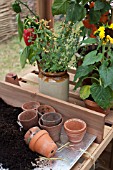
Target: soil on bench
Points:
x,y
14,153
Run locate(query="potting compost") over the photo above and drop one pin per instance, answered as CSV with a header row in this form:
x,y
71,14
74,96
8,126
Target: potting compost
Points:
x,y
14,153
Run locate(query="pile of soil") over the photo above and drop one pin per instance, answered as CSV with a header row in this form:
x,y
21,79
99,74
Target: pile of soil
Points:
x,y
14,153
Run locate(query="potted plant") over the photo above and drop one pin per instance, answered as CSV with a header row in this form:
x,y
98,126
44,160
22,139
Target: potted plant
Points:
x,y
94,75
52,52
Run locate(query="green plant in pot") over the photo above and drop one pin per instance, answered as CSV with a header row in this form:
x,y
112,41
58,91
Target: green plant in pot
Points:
x,y
52,52
94,75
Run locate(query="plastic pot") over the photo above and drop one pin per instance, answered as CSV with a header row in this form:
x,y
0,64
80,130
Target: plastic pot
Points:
x,y
54,131
42,143
31,105
28,119
51,119
75,129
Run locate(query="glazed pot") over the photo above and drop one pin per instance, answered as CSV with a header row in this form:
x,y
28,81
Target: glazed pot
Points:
x,y
51,119
28,119
31,105
54,131
42,143
42,109
93,106
75,129
12,78
54,84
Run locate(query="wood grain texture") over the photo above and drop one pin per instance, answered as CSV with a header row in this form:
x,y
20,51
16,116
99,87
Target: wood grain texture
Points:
x,y
16,96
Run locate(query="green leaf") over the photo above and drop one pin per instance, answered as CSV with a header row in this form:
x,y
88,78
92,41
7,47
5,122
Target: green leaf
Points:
x,y
94,16
60,7
24,56
75,12
20,26
85,91
92,58
83,71
102,96
89,41
99,5
106,74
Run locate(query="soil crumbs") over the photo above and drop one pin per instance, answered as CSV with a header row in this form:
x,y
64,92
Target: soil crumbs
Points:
x,y
14,153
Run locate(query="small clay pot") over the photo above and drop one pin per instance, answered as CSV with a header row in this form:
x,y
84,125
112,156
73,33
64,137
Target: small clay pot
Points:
x,y
30,133
51,119
75,129
93,106
42,109
42,143
28,119
31,105
12,78
54,131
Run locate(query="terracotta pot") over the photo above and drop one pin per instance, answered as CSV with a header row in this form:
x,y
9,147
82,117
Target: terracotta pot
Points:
x,y
28,119
51,119
54,131
42,143
12,78
54,84
31,105
30,133
93,106
75,130
42,109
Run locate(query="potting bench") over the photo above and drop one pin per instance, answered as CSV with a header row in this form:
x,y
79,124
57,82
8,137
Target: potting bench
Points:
x,y
98,124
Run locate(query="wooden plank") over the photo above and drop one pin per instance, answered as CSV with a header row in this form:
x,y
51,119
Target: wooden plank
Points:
x,y
97,150
16,96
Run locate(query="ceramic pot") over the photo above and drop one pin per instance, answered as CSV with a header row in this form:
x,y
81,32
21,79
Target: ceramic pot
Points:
x,y
30,133
51,119
31,105
42,143
54,131
12,78
28,119
93,106
42,109
54,84
75,129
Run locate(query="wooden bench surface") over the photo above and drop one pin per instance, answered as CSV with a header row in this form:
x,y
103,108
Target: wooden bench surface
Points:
x,y
28,90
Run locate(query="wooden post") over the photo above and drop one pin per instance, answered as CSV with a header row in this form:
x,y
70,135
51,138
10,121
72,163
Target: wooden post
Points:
x,y
43,9
49,15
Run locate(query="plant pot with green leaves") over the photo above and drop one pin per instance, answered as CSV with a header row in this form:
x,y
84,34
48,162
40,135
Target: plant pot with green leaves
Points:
x,y
52,52
97,67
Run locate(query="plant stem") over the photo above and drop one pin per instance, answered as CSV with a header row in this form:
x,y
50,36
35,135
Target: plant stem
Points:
x,y
28,8
94,78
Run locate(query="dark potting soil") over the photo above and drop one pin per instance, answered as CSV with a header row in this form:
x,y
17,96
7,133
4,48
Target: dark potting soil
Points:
x,y
14,153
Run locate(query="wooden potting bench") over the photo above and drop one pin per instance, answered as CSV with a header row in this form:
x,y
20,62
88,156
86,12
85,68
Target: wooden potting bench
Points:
x,y
98,124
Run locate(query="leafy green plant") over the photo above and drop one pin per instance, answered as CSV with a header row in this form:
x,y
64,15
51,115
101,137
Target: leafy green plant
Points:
x,y
95,74
52,52
91,13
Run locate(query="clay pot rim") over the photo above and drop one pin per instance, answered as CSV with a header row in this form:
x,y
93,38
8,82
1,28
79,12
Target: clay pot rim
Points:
x,y
50,121
27,140
20,120
49,127
38,103
36,137
45,105
91,103
75,131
